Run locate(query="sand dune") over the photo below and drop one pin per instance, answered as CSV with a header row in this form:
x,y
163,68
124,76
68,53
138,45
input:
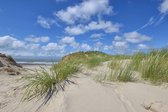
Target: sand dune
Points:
x,y
87,96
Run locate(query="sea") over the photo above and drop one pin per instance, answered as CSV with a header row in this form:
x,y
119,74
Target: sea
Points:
x,y
36,60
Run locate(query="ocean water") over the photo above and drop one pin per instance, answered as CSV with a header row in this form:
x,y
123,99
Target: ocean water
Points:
x,y
36,61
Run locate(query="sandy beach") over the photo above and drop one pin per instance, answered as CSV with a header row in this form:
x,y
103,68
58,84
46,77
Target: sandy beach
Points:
x,y
87,95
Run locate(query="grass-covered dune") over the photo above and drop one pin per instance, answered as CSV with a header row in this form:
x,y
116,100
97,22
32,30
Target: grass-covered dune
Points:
x,y
44,83
90,58
151,66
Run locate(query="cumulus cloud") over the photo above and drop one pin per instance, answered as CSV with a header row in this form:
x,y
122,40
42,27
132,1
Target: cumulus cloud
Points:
x,y
97,35
142,46
164,7
85,47
135,37
117,38
53,47
33,46
11,42
69,41
107,26
84,11
45,22
107,47
75,30
120,44
34,39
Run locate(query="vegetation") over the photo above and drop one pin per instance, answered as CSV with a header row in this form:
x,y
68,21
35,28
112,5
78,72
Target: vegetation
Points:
x,y
155,67
123,74
120,71
90,59
152,66
44,83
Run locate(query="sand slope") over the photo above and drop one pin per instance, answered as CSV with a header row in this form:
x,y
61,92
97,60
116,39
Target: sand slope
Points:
x,y
87,96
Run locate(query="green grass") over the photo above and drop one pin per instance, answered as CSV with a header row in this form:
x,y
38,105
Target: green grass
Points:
x,y
44,83
136,60
115,64
94,61
155,69
122,73
89,59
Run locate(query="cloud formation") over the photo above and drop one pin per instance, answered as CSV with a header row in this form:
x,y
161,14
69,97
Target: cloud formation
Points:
x,y
106,26
45,22
164,7
34,39
135,37
84,11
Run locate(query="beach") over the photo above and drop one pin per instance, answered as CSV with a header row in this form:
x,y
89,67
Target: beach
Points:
x,y
87,95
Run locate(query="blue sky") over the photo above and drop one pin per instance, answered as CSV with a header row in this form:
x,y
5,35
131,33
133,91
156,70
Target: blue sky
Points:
x,y
58,27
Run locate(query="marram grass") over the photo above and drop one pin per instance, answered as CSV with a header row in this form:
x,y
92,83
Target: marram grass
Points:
x,y
44,83
122,73
155,69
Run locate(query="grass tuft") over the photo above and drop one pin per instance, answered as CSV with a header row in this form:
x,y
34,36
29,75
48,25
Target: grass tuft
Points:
x,y
44,83
122,73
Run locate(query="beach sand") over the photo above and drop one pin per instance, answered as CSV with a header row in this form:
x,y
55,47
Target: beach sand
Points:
x,y
87,95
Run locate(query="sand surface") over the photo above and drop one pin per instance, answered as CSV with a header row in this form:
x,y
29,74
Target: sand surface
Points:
x,y
86,96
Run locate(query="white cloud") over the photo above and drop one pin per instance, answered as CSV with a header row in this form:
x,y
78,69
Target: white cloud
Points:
x,y
45,22
107,47
142,46
53,47
76,30
34,39
69,41
11,42
164,7
97,46
84,11
107,26
120,44
135,37
33,46
120,47
85,47
97,35
117,38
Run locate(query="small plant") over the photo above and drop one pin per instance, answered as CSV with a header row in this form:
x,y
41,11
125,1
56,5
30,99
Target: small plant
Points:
x,y
46,82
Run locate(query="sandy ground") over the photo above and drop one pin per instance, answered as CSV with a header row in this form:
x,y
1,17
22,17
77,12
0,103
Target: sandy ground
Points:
x,y
87,96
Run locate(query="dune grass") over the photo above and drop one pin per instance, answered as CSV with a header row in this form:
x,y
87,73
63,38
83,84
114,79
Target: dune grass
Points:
x,y
89,59
94,61
155,68
152,66
121,72
44,83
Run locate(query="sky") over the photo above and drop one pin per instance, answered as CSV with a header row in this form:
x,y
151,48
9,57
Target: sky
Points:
x,y
59,27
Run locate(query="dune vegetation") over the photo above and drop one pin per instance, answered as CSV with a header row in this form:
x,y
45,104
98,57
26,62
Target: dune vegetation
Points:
x,y
151,66
44,83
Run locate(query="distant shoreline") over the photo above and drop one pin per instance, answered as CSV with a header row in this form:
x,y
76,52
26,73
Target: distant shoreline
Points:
x,y
36,63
